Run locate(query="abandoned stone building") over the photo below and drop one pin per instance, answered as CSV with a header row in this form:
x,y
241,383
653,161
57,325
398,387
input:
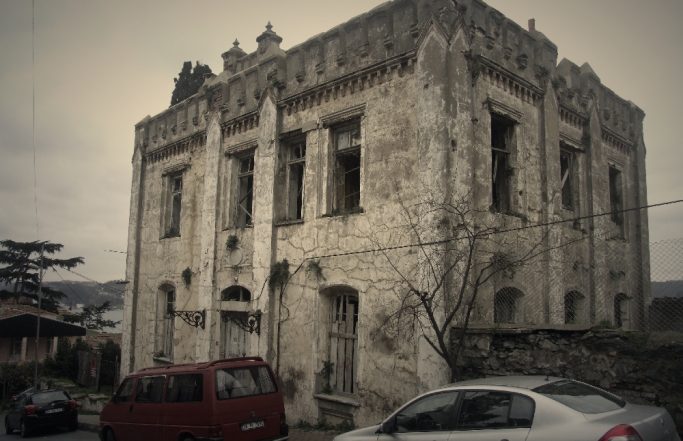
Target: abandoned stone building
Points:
x,y
310,154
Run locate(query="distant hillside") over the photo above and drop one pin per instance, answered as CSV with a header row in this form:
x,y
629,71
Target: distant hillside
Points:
x,y
669,288
90,293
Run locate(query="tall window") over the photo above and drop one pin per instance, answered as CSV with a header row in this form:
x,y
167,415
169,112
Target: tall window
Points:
x,y
343,342
616,195
245,190
621,310
567,179
502,139
234,323
296,165
574,308
174,202
347,144
165,322
506,306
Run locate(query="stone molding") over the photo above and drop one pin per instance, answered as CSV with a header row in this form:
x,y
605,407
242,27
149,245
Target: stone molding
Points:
x,y
507,81
181,146
504,110
356,81
240,124
241,147
572,117
616,141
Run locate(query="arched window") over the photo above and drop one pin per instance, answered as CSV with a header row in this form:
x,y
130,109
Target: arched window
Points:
x,y
236,293
165,321
340,367
574,308
506,306
620,310
233,323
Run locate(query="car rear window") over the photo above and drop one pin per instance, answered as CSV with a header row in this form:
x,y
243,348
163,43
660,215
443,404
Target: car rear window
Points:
x,y
243,382
581,397
49,397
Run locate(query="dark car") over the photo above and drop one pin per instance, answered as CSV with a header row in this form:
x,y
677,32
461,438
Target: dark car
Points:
x,y
33,409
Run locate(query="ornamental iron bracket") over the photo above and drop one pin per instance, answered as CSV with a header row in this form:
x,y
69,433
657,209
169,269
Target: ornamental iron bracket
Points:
x,y
192,318
250,321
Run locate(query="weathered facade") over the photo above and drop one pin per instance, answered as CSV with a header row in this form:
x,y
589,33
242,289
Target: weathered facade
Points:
x,y
305,154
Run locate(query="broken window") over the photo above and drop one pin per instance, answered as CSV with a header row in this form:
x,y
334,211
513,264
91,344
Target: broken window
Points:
x,y
616,196
343,342
236,294
574,305
245,190
502,137
567,179
173,205
296,165
346,175
506,306
165,322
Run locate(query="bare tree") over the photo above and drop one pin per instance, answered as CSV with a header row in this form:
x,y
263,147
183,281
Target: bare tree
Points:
x,y
458,253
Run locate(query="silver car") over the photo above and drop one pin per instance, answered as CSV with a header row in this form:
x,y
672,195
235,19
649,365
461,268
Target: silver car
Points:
x,y
523,408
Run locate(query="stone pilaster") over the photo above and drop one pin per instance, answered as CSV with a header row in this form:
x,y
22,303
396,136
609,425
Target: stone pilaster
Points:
x,y
207,258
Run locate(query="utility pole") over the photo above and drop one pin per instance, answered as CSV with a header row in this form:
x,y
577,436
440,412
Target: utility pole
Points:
x,y
40,298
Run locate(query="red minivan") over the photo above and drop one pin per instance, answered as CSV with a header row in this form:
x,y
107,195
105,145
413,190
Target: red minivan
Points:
x,y
235,399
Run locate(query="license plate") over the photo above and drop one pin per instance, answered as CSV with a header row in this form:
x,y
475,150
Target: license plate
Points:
x,y
54,410
252,425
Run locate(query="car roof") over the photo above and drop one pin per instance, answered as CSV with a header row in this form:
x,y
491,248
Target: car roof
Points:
x,y
519,381
175,368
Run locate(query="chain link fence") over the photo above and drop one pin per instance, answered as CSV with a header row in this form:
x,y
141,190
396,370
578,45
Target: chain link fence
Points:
x,y
582,275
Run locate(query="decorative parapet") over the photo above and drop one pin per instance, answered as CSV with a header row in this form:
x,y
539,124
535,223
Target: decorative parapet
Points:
x,y
573,118
179,147
616,141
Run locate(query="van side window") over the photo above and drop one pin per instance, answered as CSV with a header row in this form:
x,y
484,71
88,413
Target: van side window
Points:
x,y
149,390
125,391
184,388
243,382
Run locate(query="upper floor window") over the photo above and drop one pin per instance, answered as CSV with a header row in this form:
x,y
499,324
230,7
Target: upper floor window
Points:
x,y
174,202
236,293
295,160
245,190
506,306
567,179
616,195
346,140
502,143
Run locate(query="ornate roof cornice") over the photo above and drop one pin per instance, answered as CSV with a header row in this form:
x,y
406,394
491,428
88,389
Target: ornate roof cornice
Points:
x,y
511,83
572,117
616,141
240,124
351,83
176,148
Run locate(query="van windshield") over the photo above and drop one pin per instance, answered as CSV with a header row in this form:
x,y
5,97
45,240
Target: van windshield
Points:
x,y
243,382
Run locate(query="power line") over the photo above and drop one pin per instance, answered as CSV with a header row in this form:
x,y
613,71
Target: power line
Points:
x,y
508,230
108,288
33,113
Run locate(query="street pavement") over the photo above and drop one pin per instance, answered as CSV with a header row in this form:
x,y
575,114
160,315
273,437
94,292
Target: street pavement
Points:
x,y
88,426
92,422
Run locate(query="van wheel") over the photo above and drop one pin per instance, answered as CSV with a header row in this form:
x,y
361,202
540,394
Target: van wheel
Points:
x,y
8,429
187,438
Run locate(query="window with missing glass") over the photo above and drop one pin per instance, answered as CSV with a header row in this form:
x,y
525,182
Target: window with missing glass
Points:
x,y
616,195
567,179
173,204
296,166
245,190
502,144
346,141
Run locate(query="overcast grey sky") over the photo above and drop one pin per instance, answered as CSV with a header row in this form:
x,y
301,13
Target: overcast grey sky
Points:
x,y
101,66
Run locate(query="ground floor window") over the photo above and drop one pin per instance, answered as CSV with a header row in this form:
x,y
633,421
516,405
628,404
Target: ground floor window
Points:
x,y
343,342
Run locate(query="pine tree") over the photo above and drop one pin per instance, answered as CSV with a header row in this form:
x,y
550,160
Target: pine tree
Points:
x,y
21,271
189,81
